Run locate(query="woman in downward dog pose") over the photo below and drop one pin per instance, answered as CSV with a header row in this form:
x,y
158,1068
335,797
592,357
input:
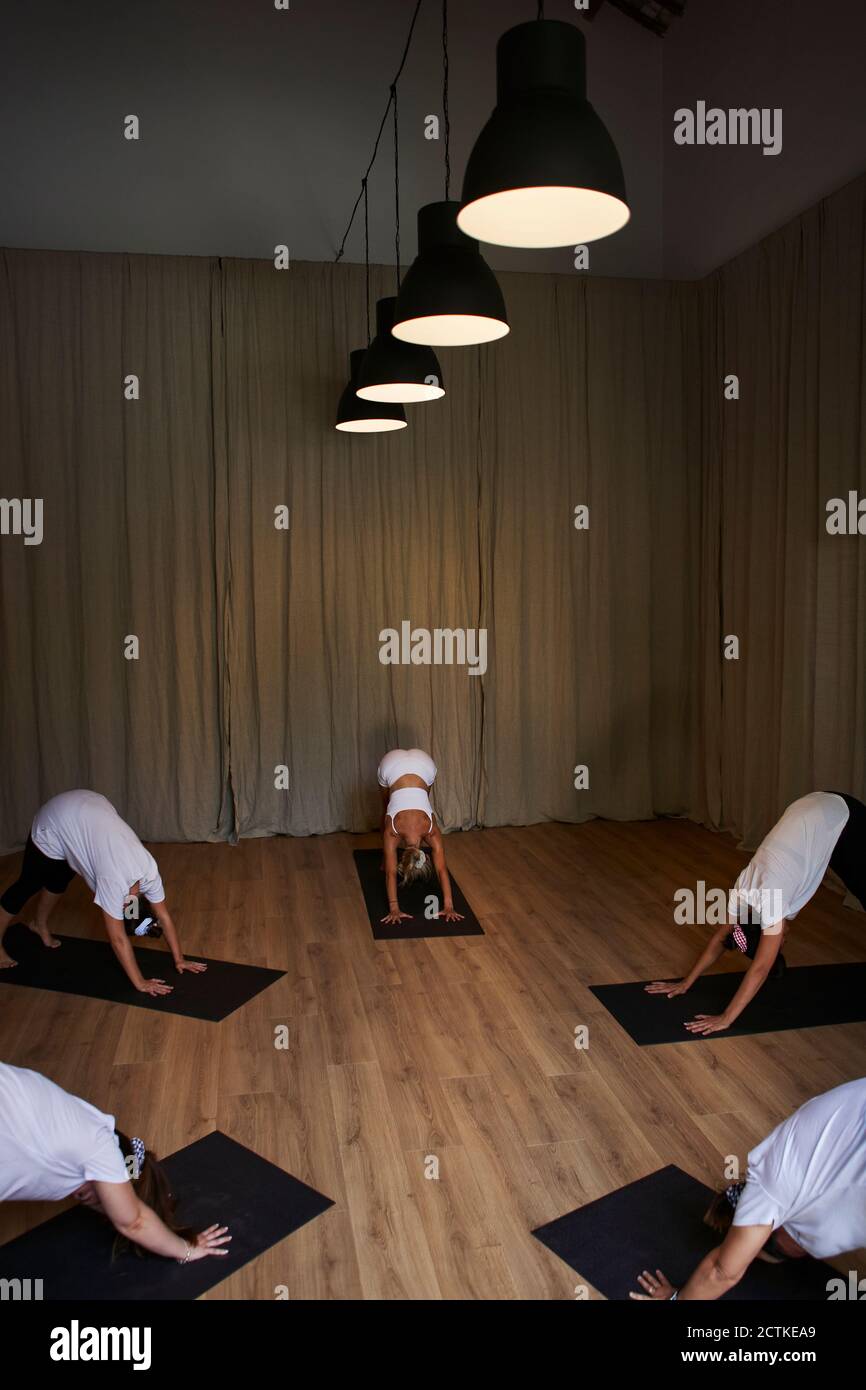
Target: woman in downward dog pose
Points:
x,y
819,831
804,1194
54,1145
80,832
408,824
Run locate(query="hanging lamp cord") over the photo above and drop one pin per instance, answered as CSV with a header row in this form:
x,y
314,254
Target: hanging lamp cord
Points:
x,y
445,99
367,259
392,89
396,186
540,9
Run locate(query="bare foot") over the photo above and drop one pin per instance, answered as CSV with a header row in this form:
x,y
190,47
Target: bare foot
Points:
x,y
6,960
44,935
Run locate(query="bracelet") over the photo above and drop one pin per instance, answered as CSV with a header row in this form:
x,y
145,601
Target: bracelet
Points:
x,y
674,1296
186,1258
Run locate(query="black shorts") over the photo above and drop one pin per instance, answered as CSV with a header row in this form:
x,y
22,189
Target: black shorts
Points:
x,y
37,872
848,859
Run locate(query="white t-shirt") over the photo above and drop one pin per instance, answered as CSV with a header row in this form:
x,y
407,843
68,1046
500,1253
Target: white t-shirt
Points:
x,y
809,1175
85,830
790,862
51,1142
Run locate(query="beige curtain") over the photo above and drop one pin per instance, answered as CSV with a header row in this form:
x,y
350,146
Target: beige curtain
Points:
x,y
382,528
592,631
464,520
788,318
128,547
259,703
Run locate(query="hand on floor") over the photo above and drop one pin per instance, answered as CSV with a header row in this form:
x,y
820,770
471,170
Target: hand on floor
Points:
x,y
656,1285
669,987
209,1242
450,916
155,987
708,1023
195,967
395,918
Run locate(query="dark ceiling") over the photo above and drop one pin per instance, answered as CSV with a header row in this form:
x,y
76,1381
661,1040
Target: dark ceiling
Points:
x,y
256,123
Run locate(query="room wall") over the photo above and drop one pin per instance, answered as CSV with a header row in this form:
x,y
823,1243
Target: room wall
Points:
x,y
787,317
259,648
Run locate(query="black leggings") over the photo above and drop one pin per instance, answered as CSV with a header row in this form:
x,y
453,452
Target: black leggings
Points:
x,y
848,859
37,872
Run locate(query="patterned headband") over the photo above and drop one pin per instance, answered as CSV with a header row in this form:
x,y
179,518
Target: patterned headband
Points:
x,y
734,1193
138,1152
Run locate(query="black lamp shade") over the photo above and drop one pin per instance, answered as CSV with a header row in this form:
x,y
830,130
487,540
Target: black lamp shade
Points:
x,y
396,371
544,170
355,416
449,296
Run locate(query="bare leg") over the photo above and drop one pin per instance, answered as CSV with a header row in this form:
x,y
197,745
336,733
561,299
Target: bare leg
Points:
x,y
5,959
45,905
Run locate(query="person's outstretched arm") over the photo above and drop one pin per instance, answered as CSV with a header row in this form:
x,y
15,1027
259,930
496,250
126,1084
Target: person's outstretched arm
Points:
x,y
121,947
138,1222
718,1272
162,915
389,853
437,850
709,955
768,948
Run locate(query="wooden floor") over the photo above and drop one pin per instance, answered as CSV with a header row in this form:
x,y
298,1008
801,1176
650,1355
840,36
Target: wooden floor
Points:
x,y
461,1048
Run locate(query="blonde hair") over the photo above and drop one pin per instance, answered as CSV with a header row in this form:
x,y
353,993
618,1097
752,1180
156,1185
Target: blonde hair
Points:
x,y
414,865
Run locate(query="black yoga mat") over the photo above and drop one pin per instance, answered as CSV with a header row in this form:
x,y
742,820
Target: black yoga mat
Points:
x,y
91,969
808,996
215,1180
413,899
656,1223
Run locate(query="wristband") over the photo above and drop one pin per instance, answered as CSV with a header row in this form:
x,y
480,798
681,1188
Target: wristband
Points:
x,y
186,1258
674,1296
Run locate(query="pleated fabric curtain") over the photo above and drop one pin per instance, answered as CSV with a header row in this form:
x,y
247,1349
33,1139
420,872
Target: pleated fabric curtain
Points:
x,y
788,319
463,521
127,488
592,630
383,529
259,703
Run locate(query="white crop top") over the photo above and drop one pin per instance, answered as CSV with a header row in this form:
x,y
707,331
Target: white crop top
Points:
x,y
410,799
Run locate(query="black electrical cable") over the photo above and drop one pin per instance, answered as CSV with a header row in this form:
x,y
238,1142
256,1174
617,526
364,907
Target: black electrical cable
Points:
x,y
396,187
367,259
445,99
392,89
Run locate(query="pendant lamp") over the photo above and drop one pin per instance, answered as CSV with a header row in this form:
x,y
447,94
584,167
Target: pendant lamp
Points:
x,y
396,371
449,296
544,170
356,416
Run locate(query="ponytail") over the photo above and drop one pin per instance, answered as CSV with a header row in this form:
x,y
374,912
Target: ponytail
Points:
x,y
152,1187
415,865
